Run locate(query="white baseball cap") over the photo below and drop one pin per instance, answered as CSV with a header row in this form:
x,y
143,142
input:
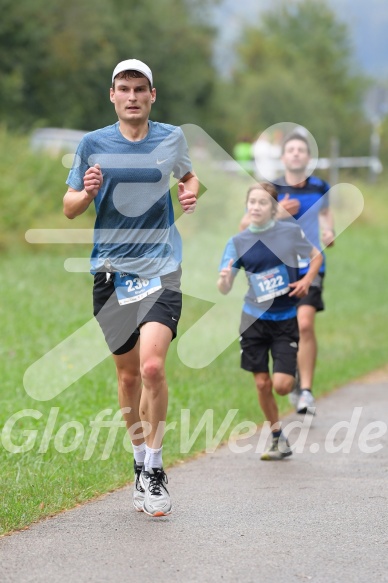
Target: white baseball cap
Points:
x,y
133,65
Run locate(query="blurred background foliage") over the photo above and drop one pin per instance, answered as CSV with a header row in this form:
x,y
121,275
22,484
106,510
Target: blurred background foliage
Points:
x,y
297,65
294,64
59,57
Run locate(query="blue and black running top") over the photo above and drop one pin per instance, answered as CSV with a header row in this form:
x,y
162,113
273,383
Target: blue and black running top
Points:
x,y
134,227
313,197
270,260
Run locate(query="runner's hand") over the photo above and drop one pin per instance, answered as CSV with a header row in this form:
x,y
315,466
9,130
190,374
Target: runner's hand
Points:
x,y
288,206
226,277
300,288
328,237
187,199
93,180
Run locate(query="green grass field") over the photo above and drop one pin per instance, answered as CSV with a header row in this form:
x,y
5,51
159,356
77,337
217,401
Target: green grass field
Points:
x,y
42,304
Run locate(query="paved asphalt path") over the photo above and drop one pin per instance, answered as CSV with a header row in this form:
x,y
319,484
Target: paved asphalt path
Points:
x,y
318,516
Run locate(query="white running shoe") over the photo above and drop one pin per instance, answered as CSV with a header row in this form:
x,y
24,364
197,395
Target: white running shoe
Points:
x,y
157,500
279,449
138,490
306,403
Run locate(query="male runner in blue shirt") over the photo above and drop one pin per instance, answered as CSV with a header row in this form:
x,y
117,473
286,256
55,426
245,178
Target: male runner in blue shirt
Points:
x,y
305,197
125,170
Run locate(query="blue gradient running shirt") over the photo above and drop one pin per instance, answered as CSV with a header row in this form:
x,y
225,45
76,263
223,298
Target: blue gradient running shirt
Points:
x,y
313,194
134,227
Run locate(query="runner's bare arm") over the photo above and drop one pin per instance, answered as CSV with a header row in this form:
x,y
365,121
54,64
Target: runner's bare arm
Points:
x,y
326,221
226,278
302,286
75,202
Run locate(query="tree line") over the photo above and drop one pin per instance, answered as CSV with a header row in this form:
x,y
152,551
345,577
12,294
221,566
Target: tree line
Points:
x,y
294,64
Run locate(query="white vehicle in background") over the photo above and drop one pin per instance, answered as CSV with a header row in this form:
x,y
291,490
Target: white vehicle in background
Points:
x,y
56,141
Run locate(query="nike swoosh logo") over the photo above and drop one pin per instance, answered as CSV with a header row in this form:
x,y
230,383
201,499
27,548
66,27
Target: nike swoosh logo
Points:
x,y
161,161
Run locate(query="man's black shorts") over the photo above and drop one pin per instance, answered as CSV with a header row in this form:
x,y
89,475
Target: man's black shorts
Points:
x,y
314,297
121,324
259,337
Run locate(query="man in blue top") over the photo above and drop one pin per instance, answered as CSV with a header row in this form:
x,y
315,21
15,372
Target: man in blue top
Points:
x,y
305,197
125,169
268,251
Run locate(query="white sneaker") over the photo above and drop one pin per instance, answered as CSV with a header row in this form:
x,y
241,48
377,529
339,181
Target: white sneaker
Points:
x,y
306,403
157,500
278,450
138,490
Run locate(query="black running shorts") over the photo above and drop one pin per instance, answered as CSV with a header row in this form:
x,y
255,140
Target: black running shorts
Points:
x,y
314,297
259,337
121,324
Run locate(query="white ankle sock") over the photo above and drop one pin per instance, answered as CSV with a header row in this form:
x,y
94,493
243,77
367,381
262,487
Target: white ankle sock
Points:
x,y
153,458
139,452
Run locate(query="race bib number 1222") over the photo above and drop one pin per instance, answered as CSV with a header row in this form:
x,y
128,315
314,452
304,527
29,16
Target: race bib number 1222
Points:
x,y
269,284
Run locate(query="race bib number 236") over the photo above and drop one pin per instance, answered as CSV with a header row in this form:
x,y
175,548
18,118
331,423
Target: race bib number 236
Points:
x,y
131,288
